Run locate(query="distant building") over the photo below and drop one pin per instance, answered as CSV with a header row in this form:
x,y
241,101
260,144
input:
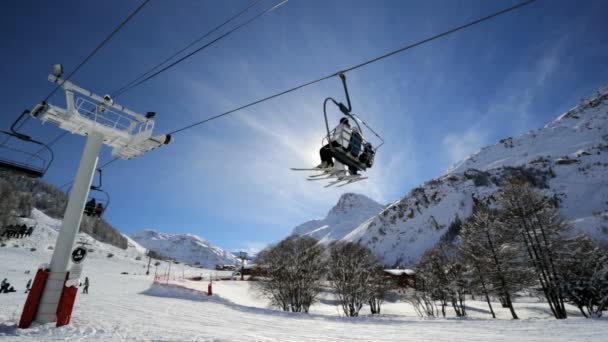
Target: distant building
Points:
x,y
402,277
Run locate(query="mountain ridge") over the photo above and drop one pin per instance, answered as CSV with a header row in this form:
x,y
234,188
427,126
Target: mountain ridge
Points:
x,y
186,248
566,159
350,210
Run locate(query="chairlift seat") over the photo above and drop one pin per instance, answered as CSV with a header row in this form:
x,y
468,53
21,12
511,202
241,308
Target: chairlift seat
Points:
x,y
349,150
25,169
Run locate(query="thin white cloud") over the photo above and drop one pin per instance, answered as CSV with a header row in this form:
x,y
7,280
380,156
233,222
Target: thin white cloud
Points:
x,y
460,145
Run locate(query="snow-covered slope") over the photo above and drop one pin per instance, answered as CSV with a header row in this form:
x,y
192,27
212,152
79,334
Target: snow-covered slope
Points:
x,y
350,211
186,248
568,159
44,237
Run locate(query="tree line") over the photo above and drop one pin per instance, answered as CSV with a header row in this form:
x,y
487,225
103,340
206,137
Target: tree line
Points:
x,y
519,243
294,272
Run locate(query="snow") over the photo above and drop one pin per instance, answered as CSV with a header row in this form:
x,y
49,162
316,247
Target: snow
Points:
x,y
129,307
398,272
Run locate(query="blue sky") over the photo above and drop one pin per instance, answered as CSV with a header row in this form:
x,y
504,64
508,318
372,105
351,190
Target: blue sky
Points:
x,y
229,181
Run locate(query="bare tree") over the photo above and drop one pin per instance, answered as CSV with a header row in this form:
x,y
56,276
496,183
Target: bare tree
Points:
x,y
494,257
535,221
378,287
351,267
9,200
584,271
293,271
420,298
431,276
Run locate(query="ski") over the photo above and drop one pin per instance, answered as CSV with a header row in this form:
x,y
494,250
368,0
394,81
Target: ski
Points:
x,y
312,169
352,181
320,175
348,179
327,176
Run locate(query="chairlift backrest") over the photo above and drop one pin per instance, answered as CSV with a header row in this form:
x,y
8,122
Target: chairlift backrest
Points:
x,y
23,162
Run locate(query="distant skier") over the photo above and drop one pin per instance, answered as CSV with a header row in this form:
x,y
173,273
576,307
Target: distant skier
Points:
x,y
335,141
5,287
29,232
28,286
85,289
22,231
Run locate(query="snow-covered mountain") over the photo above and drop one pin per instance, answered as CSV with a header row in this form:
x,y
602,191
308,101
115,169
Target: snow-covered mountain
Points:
x,y
187,248
350,211
568,159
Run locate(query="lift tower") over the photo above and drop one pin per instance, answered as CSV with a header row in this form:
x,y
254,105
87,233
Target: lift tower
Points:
x,y
103,122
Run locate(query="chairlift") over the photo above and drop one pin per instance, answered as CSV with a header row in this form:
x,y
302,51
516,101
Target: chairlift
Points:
x,y
102,198
351,152
21,161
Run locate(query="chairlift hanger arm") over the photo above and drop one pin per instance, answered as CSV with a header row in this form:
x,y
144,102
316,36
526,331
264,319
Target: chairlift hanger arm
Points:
x,y
100,184
14,132
343,108
27,138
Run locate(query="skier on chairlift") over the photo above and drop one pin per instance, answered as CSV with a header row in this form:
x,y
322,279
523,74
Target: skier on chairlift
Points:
x,y
345,152
327,160
99,210
89,208
354,148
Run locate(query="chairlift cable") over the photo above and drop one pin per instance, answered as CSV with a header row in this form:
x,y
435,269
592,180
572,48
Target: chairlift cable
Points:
x,y
139,79
202,47
124,88
360,65
97,49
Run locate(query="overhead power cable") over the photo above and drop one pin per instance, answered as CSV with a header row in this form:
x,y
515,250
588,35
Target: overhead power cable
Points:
x,y
357,66
124,88
376,59
200,48
84,61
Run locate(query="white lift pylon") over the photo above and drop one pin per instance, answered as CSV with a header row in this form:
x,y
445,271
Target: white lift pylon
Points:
x,y
103,122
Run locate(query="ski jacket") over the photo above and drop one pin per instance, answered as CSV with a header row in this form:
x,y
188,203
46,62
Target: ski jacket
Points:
x,y
341,135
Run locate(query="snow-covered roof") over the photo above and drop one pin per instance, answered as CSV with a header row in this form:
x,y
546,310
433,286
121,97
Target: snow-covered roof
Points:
x,y
399,272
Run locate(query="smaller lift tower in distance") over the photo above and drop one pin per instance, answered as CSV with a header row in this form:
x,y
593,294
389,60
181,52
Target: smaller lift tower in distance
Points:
x,y
103,122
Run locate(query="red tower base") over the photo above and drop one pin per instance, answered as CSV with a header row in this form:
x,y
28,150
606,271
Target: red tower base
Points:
x,y
64,309
66,304
33,299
